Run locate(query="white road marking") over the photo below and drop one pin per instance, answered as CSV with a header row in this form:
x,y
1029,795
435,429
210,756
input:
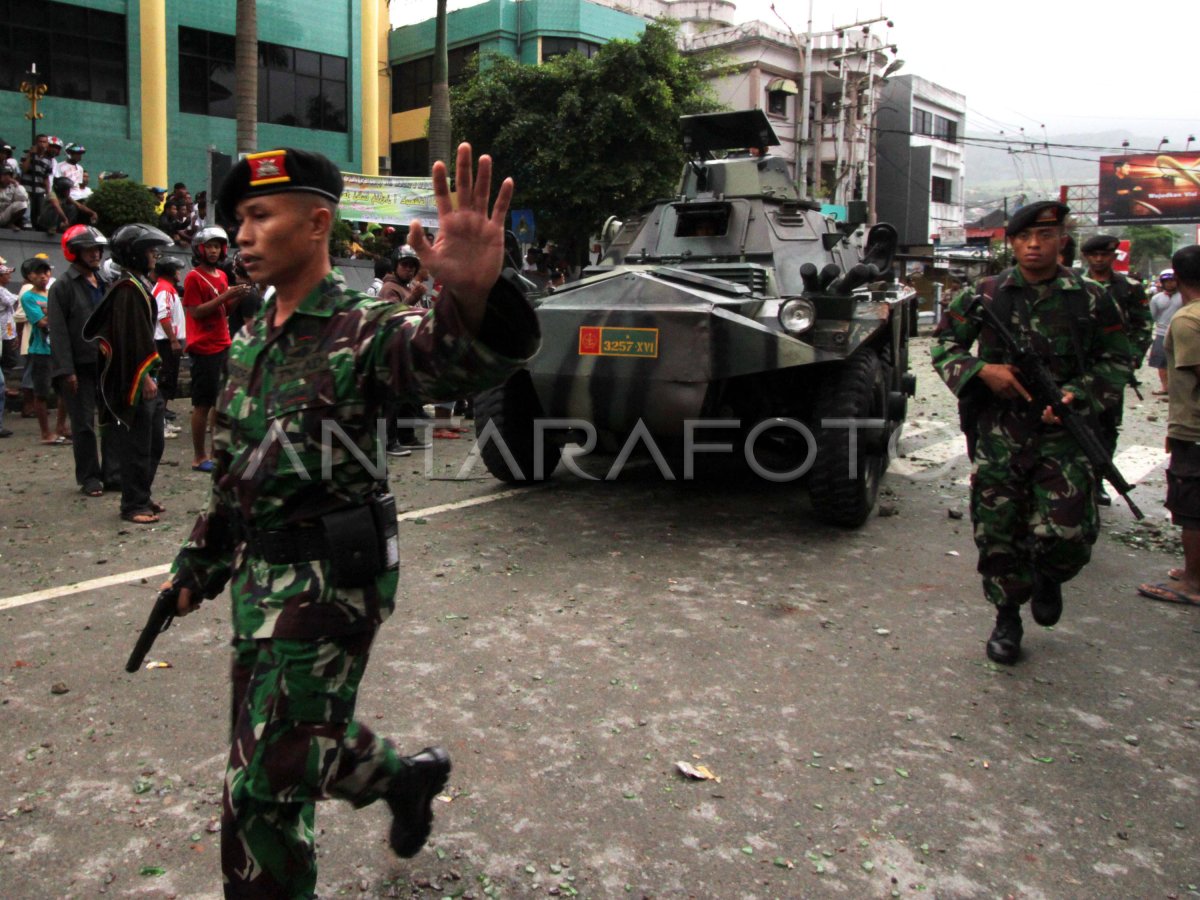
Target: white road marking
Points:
x,y
157,571
1138,461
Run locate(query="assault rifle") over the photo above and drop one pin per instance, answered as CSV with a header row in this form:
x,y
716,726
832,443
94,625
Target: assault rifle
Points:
x,y
1046,393
161,616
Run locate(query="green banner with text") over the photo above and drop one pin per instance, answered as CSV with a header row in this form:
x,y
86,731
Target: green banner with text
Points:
x,y
388,199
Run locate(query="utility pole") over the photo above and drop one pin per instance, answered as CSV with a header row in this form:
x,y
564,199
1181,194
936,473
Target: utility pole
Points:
x,y
803,117
844,157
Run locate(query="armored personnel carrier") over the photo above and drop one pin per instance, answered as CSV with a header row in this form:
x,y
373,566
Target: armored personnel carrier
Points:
x,y
734,312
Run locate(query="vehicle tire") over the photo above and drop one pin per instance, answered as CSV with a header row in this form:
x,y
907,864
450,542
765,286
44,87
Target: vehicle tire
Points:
x,y
857,389
512,408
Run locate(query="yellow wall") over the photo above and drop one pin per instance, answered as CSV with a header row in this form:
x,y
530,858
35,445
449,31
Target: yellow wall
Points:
x,y
369,65
410,125
383,73
153,14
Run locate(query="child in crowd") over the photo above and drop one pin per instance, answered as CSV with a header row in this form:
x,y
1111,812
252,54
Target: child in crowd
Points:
x,y
37,271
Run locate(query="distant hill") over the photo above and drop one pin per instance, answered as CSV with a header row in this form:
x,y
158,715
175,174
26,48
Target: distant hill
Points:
x,y
994,172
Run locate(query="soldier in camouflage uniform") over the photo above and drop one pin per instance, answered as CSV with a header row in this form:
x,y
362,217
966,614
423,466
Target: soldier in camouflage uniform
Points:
x,y
1100,252
1032,489
298,523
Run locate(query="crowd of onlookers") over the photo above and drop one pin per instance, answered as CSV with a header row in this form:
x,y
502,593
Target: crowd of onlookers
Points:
x,y
46,188
197,311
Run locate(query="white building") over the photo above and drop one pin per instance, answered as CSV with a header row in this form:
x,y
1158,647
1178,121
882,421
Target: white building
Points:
x,y
920,161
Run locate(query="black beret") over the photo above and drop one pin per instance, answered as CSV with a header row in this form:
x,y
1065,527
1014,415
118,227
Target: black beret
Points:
x,y
1044,212
1100,243
277,172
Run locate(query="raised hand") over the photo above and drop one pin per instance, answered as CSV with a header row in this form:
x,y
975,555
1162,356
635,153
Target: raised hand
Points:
x,y
468,252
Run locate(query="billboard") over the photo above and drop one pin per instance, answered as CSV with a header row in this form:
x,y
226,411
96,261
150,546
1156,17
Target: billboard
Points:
x,y
1150,189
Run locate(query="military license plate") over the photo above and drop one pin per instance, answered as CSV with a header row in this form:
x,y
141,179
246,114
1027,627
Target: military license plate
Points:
x,y
597,340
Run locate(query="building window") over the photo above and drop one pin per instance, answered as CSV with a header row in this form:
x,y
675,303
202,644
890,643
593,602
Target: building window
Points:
x,y
940,191
777,103
206,73
922,122
80,53
558,46
411,158
412,82
945,129
935,126
296,87
301,88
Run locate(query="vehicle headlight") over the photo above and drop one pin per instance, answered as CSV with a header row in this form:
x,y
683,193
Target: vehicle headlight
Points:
x,y
797,315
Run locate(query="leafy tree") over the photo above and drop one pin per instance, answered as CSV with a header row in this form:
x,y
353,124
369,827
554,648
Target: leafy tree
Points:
x,y
1148,243
585,138
119,201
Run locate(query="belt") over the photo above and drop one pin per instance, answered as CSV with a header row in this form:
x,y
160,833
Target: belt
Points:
x,y
292,546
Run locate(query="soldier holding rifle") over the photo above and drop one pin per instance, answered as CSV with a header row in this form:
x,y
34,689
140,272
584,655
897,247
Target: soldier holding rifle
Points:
x,y
1100,251
1032,489
310,554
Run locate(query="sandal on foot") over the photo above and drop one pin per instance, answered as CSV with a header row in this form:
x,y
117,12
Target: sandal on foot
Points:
x,y
1168,594
93,489
140,517
206,466
157,508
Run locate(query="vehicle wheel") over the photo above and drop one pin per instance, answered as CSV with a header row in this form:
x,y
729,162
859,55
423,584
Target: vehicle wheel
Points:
x,y
855,390
511,409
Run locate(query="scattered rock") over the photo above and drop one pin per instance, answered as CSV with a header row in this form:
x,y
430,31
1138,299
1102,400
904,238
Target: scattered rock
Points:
x,y
59,687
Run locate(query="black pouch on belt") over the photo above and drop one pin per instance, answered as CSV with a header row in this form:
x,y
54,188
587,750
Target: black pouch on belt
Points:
x,y
361,541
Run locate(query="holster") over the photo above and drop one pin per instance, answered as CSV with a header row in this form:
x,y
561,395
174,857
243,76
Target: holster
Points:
x,y
361,542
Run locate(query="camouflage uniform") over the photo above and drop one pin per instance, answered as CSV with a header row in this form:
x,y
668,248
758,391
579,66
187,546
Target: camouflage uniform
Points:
x,y
300,643
1032,501
1131,300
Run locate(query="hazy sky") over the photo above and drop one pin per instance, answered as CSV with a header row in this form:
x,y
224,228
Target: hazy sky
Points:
x,y
1070,65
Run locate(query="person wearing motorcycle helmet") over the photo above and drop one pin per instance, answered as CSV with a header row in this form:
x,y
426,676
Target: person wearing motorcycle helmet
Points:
x,y
75,361
210,246
123,326
72,168
207,297
400,285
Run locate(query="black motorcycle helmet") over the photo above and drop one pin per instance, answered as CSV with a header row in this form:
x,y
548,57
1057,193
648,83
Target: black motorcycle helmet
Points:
x,y
168,266
130,243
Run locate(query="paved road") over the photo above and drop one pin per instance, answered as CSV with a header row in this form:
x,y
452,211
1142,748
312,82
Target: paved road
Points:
x,y
570,644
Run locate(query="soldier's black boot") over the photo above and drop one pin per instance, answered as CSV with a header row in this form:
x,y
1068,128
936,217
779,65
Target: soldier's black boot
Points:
x,y
1047,600
1004,646
1102,497
411,799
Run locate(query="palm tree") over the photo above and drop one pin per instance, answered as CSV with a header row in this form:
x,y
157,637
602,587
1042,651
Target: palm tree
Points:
x,y
439,107
246,74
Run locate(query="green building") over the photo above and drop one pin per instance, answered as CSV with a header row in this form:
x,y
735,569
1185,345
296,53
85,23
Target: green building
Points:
x,y
147,86
531,31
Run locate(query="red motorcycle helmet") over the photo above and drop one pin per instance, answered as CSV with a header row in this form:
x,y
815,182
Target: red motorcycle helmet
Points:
x,y
80,237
